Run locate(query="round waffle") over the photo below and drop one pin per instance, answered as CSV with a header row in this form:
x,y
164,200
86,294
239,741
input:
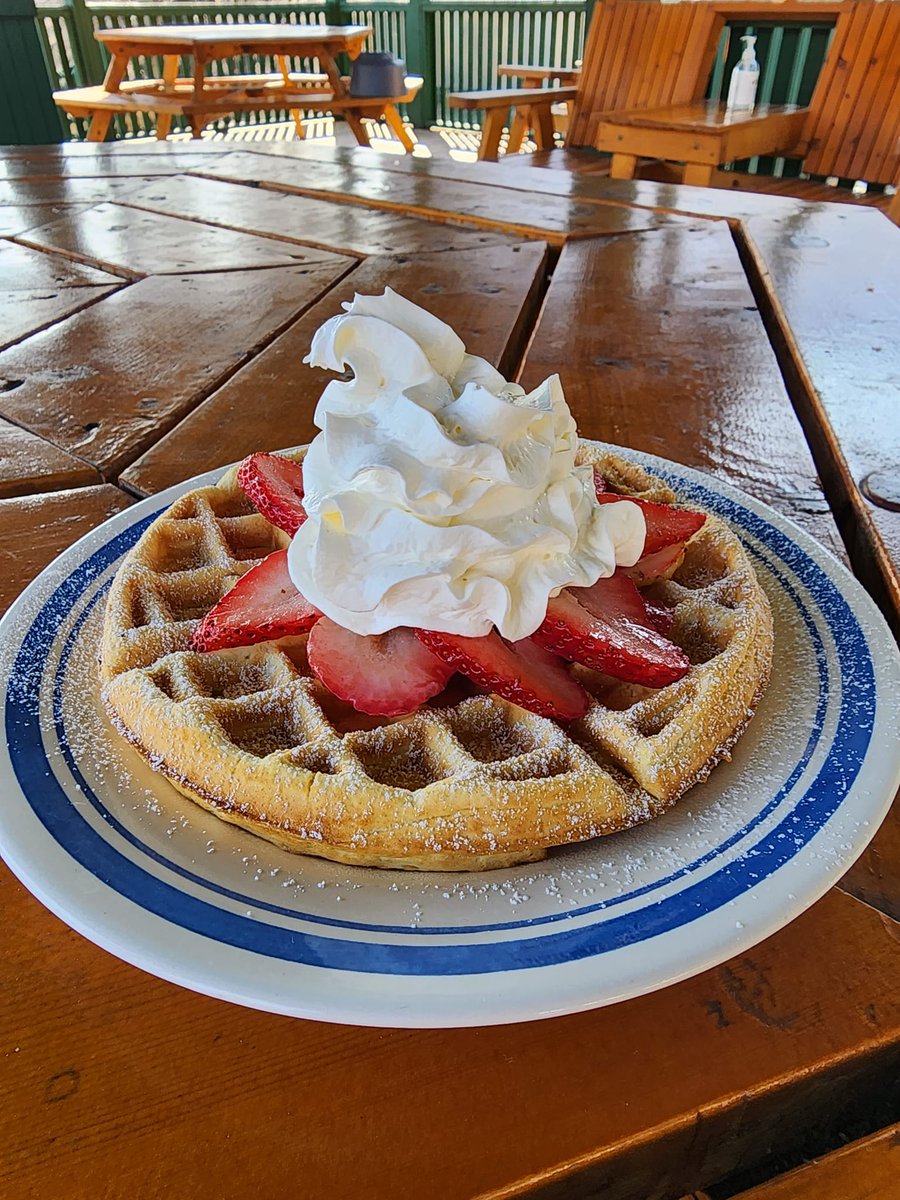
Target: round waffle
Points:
x,y
467,782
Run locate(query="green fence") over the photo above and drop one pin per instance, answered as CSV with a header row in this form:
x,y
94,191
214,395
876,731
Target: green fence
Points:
x,y
456,45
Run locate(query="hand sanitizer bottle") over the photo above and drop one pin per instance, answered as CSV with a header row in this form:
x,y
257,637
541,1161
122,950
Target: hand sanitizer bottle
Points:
x,y
744,79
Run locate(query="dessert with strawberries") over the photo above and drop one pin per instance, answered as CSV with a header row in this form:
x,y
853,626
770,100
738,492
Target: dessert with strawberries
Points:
x,y
447,635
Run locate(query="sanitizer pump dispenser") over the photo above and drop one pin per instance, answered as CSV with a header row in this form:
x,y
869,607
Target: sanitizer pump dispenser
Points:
x,y
744,79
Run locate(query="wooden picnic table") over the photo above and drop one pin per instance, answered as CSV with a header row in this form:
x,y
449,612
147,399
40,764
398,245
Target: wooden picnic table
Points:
x,y
201,97
158,302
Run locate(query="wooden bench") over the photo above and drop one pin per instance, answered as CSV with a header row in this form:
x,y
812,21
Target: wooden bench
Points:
x,y
642,55
227,94
533,110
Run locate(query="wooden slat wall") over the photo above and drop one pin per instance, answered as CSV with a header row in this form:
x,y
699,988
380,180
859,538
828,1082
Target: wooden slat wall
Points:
x,y
854,130
640,55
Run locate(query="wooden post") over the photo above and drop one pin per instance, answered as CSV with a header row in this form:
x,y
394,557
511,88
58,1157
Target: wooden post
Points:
x,y
89,62
421,61
32,118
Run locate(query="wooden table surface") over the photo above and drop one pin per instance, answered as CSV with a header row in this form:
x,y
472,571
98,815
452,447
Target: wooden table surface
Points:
x,y
158,301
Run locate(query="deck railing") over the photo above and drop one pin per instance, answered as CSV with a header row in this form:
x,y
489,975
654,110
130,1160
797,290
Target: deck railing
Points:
x,y
456,45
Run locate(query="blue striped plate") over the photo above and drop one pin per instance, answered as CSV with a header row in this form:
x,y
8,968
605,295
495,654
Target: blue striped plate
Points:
x,y
112,849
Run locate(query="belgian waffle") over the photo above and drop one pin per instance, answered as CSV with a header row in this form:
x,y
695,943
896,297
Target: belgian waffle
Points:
x,y
469,781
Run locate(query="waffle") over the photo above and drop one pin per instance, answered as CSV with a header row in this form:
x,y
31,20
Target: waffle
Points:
x,y
469,781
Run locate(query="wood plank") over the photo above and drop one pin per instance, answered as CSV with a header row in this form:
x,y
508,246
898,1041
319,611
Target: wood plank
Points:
x,y
26,311
868,1169
306,220
35,529
641,1098
17,218
107,382
29,464
591,186
440,200
659,346
181,157
830,284
68,191
484,294
24,268
145,243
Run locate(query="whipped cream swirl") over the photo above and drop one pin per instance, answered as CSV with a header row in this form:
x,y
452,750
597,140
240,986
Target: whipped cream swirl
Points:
x,y
438,494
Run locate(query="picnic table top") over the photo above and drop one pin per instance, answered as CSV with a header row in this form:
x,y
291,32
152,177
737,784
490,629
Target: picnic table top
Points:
x,y
253,33
157,302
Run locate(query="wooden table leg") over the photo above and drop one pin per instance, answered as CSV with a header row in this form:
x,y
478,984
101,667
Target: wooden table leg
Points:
x,y
490,133
198,120
623,166
115,72
395,122
296,113
894,207
542,124
99,126
359,130
170,74
521,123
698,174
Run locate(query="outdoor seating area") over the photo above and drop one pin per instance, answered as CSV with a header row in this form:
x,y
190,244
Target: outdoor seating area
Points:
x,y
450,646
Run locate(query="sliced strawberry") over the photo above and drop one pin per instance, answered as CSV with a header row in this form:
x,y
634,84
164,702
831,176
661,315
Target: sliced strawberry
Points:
x,y
662,618
275,485
262,605
607,627
599,483
521,672
385,675
661,564
666,524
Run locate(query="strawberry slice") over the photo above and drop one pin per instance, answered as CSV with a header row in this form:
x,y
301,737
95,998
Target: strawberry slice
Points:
x,y
666,524
607,627
275,485
661,564
599,483
262,605
521,672
385,675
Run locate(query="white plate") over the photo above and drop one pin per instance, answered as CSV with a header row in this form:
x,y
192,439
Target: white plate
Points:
x,y
111,848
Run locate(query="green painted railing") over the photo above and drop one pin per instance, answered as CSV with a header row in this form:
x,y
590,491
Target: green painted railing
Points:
x,y
456,45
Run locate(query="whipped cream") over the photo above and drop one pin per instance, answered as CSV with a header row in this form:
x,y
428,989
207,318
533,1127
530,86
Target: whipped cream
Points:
x,y
438,494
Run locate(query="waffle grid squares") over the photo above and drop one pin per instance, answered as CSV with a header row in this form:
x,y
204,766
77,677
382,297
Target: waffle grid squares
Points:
x,y
457,785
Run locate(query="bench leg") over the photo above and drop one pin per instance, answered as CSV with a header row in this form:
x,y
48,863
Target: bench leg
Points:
x,y
490,133
359,130
623,166
698,174
395,122
520,123
542,122
894,208
99,126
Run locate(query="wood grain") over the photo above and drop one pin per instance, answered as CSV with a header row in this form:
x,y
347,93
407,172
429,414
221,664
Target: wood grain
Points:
x,y
17,218
440,200
26,269
107,382
484,294
648,1094
29,464
35,529
304,219
868,1169
145,243
70,167
674,360
828,279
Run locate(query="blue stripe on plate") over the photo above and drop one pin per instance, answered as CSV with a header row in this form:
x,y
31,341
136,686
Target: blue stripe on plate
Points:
x,y
806,818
